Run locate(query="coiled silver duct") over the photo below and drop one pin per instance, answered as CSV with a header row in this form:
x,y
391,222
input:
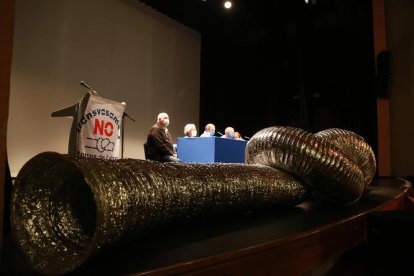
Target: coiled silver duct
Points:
x,y
65,208
353,146
336,164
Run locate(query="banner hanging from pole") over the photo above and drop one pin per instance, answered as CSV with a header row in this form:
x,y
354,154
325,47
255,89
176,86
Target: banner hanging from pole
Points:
x,y
99,129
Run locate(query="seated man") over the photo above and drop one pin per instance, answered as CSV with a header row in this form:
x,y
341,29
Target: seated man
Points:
x,y
190,130
228,133
159,141
209,131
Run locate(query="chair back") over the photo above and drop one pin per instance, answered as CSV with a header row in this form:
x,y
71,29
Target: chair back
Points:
x,y
146,150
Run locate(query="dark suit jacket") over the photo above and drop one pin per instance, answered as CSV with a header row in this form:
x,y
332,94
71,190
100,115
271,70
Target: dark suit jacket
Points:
x,y
159,141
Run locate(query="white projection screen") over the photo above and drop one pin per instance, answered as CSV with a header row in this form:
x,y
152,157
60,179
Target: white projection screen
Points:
x,y
127,51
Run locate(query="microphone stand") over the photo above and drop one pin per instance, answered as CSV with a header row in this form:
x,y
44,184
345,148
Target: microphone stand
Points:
x,y
122,131
126,115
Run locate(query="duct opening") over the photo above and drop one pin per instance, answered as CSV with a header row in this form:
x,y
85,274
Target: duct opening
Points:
x,y
54,214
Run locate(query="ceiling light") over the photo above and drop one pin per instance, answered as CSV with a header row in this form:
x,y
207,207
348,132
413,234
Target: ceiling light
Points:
x,y
227,4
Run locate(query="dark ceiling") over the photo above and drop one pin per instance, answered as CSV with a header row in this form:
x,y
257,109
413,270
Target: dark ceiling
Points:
x,y
207,16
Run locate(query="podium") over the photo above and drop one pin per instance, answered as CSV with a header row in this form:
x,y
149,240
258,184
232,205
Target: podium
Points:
x,y
211,150
97,127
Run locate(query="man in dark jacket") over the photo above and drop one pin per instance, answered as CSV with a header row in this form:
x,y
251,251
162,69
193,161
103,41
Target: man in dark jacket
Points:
x,y
159,141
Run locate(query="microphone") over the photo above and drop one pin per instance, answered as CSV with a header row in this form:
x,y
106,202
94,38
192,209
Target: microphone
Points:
x,y
219,133
126,115
82,83
85,85
247,137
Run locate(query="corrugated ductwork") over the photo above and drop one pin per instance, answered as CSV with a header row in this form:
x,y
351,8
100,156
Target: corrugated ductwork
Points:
x,y
336,164
66,208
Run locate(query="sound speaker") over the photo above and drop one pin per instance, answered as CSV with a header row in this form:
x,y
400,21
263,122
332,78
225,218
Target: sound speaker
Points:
x,y
383,79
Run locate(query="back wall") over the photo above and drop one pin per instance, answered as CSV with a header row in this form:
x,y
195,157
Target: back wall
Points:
x,y
125,50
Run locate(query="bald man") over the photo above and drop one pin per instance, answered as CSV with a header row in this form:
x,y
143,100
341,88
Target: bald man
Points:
x,y
160,142
228,133
209,131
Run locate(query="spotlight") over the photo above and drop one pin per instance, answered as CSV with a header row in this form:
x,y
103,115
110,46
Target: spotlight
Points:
x,y
227,4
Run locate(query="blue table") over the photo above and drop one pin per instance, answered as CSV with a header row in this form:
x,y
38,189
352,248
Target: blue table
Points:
x,y
210,150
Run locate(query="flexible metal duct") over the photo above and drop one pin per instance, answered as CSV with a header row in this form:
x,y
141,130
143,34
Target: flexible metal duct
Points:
x,y
354,147
336,164
65,208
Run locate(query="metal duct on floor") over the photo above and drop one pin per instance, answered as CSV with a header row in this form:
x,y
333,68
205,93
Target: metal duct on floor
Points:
x,y
65,208
336,164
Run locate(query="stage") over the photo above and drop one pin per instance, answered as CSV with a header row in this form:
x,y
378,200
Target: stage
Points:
x,y
285,241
